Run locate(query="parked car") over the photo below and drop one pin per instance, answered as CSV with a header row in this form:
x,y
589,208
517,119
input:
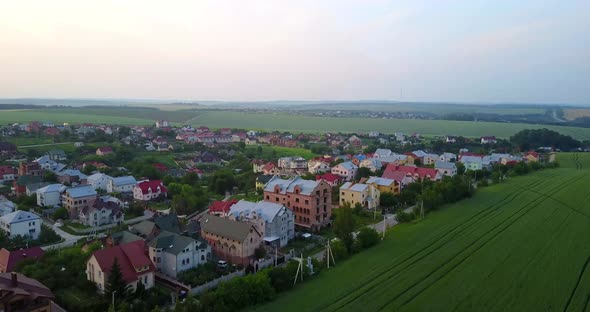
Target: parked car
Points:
x,y
222,264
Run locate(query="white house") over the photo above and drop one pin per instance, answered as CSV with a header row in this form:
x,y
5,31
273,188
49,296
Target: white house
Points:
x,y
101,213
275,221
382,152
98,181
317,166
148,190
488,140
172,253
446,168
22,223
121,184
374,164
50,195
346,170
448,157
430,159
7,173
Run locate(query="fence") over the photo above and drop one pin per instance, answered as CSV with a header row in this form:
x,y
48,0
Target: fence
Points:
x,y
214,283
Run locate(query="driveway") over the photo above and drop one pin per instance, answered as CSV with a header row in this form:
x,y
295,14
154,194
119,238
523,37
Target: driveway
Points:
x,y
68,239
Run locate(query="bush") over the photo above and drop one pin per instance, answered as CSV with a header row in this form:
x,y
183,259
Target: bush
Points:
x,y
367,237
60,213
404,217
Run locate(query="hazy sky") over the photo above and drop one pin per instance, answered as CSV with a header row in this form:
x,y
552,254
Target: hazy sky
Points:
x,y
469,50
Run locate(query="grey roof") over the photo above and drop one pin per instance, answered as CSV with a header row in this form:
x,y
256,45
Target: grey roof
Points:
x,y
19,216
471,159
264,178
56,187
126,180
444,165
125,237
44,160
171,242
419,153
143,227
33,187
81,191
392,158
382,152
168,223
227,228
348,165
449,155
97,176
71,173
288,186
266,210
357,187
380,181
374,161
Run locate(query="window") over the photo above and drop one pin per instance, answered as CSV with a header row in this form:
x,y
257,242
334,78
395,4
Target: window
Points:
x,y
145,279
99,273
307,202
296,200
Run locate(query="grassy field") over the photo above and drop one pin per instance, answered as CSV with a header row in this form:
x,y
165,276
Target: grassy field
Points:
x,y
284,122
573,113
520,246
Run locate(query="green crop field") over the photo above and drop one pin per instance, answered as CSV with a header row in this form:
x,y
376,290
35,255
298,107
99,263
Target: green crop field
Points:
x,y
520,246
279,151
285,122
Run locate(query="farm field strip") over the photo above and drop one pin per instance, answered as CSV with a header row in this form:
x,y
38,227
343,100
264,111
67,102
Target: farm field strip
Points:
x,y
522,245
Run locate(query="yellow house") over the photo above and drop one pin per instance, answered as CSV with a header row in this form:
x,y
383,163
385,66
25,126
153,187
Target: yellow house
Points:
x,y
261,180
367,195
531,156
384,185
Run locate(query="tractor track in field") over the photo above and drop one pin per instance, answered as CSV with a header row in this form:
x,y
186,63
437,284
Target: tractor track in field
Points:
x,y
473,220
573,292
526,208
586,304
559,201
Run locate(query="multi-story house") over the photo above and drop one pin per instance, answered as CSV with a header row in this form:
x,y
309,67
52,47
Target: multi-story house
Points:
x,y
230,240
367,195
417,173
318,166
275,221
258,165
448,157
446,168
347,170
75,199
21,223
374,164
57,155
121,184
311,201
98,181
6,206
7,173
385,185
172,253
101,213
135,266
30,169
148,190
71,176
50,195
430,159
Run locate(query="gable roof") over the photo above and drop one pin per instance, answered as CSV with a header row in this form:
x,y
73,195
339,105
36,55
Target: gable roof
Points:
x,y
152,185
348,165
144,228
221,206
56,187
227,228
171,242
9,259
382,152
131,258
126,180
288,186
444,165
380,181
354,187
25,286
81,191
328,176
266,210
19,216
7,169
168,223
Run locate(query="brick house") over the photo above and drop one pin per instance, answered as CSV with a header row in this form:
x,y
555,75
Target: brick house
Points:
x,y
232,241
311,201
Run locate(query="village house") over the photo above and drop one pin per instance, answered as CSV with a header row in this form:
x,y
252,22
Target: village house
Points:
x,y
31,189
488,140
162,124
7,173
355,141
171,253
382,152
374,164
450,139
6,206
20,293
396,159
473,163
251,141
417,173
384,185
347,170
21,223
98,181
50,195
101,213
135,266
274,221
148,190
261,181
57,155
105,150
29,169
71,176
123,184
20,184
230,240
366,195
448,157
531,156
47,164
271,169
332,179
446,168
258,165
10,259
430,159
318,166
221,208
75,199
311,201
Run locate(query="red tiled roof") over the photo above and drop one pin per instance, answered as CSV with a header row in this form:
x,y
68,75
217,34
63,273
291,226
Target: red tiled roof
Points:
x,y
7,169
268,166
160,166
145,186
328,177
407,170
532,153
9,259
131,257
221,206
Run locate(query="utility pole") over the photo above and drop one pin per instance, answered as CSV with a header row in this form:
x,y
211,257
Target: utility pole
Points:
x,y
329,254
113,299
384,228
299,268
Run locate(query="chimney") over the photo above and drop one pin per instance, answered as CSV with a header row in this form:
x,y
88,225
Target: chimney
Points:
x,y
14,279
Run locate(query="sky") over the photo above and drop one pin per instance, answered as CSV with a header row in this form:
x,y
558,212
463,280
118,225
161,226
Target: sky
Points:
x,y
495,51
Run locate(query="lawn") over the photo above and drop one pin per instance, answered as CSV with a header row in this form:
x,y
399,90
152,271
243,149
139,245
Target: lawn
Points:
x,y
520,246
296,123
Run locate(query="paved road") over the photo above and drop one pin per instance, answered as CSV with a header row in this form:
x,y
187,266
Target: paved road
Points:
x,y
68,239
49,144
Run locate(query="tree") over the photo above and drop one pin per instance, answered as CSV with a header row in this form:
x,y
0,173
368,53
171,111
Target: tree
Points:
x,y
367,237
344,226
387,199
49,176
260,252
363,172
60,213
115,283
